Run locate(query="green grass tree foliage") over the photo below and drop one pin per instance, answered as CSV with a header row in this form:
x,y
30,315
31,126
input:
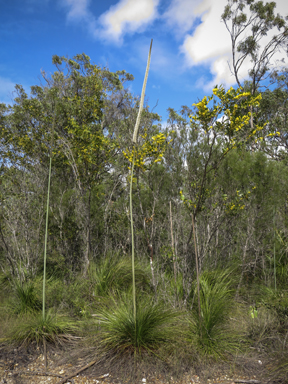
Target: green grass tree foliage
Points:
x,y
24,297
32,327
121,332
213,334
114,274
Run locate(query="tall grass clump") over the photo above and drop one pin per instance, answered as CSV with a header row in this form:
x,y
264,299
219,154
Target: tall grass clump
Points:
x,y
212,334
120,333
268,316
114,274
24,298
31,327
279,370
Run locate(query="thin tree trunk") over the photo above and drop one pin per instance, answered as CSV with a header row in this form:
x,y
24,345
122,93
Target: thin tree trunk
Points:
x,y
198,250
152,267
197,271
106,218
87,239
243,267
173,253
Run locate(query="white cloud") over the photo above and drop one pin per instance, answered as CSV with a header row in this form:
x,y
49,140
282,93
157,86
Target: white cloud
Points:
x,y
208,44
78,12
181,15
78,9
127,16
210,38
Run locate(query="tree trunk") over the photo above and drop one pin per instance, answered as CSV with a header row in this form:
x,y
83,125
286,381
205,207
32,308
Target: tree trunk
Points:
x,y
197,270
87,239
172,245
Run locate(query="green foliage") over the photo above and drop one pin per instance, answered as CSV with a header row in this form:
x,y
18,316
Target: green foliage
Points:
x,y
279,369
206,154
155,325
114,274
274,108
263,328
276,301
25,298
31,327
217,138
213,334
57,292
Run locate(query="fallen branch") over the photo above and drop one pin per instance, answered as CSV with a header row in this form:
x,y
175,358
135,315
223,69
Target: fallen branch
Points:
x,y
247,381
78,371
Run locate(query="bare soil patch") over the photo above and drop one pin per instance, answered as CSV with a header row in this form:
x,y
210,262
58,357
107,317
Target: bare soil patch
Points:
x,y
19,366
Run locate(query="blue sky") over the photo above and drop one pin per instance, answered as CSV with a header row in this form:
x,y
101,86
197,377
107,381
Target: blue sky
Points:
x,y
191,46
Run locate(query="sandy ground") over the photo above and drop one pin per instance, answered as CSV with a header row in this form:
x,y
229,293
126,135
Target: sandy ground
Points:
x,y
32,370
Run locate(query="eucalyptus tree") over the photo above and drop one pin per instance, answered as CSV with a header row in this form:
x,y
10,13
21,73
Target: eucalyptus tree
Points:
x,y
274,110
248,23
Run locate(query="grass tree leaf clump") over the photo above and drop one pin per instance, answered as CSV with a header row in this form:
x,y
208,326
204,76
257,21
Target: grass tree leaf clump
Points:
x,y
25,298
212,334
115,274
31,327
155,325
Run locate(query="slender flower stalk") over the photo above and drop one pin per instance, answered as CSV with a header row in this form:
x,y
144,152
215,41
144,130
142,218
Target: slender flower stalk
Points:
x,y
274,253
46,229
132,240
131,176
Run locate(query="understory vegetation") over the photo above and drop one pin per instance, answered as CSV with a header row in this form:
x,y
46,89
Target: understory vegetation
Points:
x,y
210,199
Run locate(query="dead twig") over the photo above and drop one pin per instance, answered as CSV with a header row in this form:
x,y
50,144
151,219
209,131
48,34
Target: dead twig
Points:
x,y
247,381
78,371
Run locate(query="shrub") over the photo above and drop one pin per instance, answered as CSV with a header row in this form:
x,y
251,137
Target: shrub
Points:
x,y
155,325
115,274
212,333
31,327
24,298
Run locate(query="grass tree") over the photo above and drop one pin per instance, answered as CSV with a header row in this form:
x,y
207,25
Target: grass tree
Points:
x,y
137,325
32,325
214,334
135,134
155,325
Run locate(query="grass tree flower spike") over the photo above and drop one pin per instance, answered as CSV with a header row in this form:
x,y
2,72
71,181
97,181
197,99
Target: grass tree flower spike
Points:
x,y
142,96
